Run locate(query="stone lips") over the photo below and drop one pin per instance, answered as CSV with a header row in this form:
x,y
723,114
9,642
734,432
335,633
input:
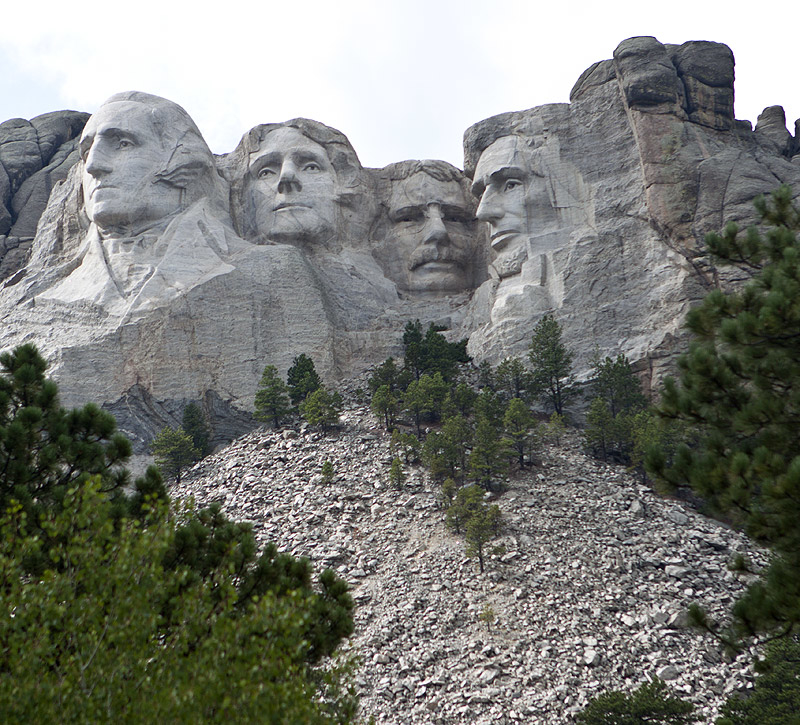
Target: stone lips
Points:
x,y
622,183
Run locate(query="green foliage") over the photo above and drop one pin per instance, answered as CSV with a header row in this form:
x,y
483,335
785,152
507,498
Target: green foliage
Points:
x,y
479,521
385,405
445,451
775,698
513,379
173,451
302,378
652,431
327,472
397,475
555,428
487,616
424,398
480,529
406,444
615,382
459,401
449,490
650,703
520,430
196,425
551,363
322,407
387,373
485,375
490,405
45,449
110,633
272,397
489,452
740,391
618,398
431,353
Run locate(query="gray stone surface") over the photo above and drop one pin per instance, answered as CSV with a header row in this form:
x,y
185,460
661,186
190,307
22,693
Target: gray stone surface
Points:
x,y
161,274
583,597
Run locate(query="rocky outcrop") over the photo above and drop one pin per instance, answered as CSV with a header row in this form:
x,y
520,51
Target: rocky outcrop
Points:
x,y
34,156
589,592
180,277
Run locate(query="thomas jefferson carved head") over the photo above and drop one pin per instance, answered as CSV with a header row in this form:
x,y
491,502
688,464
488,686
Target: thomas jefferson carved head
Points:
x,y
291,181
428,235
144,160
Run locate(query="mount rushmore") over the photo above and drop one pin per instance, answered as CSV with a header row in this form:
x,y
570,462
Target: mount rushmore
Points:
x,y
152,273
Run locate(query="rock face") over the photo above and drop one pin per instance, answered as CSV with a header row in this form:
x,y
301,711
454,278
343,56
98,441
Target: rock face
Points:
x,y
160,274
590,593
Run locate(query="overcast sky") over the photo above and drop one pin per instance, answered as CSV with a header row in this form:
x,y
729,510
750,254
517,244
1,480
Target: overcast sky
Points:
x,y
401,78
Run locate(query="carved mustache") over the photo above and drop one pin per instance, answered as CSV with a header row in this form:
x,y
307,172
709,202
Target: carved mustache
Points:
x,y
431,253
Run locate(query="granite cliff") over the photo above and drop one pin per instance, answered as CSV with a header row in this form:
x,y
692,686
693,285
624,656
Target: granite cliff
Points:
x,y
152,273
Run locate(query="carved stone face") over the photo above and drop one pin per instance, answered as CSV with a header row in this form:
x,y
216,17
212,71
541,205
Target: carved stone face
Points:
x,y
429,244
292,189
503,182
123,154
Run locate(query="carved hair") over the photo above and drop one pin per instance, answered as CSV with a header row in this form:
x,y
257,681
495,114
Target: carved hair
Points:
x,y
439,170
351,185
190,165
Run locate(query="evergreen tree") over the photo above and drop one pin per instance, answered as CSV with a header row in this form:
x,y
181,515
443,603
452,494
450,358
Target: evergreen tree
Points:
x,y
459,401
775,697
109,633
302,378
407,444
519,428
322,407
445,451
431,352
195,423
485,375
551,363
740,390
489,453
173,451
514,379
555,428
397,475
272,397
387,373
385,405
650,703
424,398
45,449
615,382
480,529
327,472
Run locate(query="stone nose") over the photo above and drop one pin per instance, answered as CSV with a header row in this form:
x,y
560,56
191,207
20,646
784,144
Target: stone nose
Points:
x,y
97,162
288,181
490,208
435,231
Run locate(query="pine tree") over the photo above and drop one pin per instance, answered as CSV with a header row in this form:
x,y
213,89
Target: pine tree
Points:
x,y
322,408
397,475
489,453
615,382
272,397
519,429
173,451
650,703
195,423
302,378
740,390
385,405
45,449
551,364
514,379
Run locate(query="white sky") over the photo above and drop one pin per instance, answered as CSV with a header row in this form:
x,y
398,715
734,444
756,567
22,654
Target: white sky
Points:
x,y
401,78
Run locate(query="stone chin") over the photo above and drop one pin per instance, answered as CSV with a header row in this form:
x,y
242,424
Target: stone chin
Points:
x,y
509,260
297,225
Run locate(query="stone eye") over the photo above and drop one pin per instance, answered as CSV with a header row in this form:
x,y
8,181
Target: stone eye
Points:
x,y
511,184
312,166
265,172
